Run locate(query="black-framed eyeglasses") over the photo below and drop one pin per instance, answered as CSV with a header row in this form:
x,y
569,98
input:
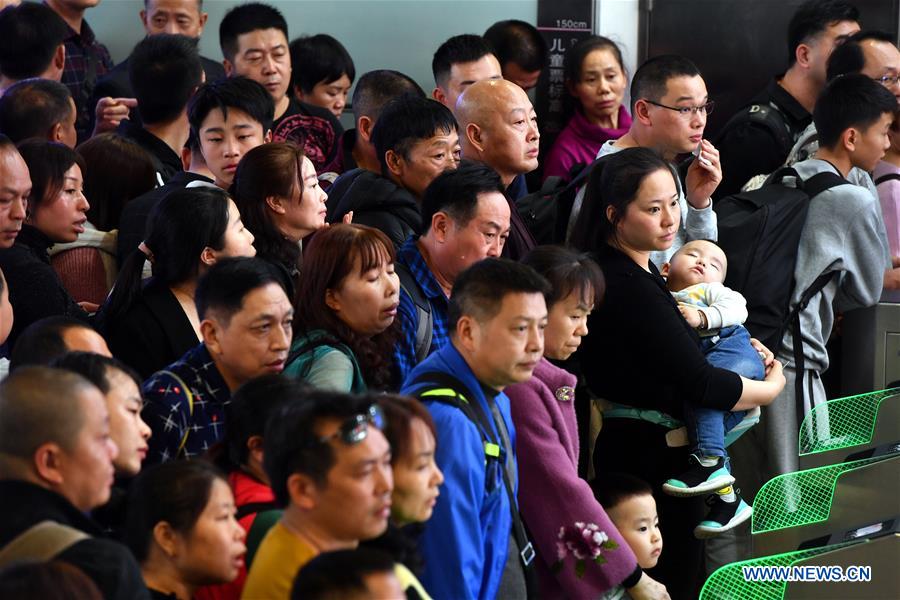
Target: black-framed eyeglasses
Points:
x,y
887,80
687,111
356,428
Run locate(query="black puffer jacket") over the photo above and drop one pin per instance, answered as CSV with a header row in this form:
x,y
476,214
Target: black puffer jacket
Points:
x,y
376,201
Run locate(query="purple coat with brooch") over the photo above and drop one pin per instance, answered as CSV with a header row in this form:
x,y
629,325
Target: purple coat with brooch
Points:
x,y
551,495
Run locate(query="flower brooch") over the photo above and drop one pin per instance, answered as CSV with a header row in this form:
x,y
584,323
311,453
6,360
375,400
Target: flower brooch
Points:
x,y
584,542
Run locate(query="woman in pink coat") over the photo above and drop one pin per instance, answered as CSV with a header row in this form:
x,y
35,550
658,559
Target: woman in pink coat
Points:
x,y
570,531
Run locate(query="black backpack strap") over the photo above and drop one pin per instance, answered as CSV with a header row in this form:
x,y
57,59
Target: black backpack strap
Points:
x,y
254,507
887,177
793,321
821,182
815,185
461,394
424,318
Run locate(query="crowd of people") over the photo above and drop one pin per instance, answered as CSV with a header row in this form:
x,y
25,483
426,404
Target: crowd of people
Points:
x,y
251,354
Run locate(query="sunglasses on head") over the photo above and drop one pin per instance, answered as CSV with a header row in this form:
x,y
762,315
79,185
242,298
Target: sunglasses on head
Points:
x,y
356,428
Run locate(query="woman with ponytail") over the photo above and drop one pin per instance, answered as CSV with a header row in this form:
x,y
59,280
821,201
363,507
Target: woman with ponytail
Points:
x,y
149,325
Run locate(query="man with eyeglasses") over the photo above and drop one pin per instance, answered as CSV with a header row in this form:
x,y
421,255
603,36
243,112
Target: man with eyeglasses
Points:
x,y
871,53
758,139
669,105
329,466
475,545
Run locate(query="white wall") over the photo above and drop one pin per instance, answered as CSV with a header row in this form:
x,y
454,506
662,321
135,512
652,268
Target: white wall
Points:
x,y
618,20
397,34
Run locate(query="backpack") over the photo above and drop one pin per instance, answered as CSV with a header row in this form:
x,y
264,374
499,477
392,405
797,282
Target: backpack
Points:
x,y
424,318
769,117
313,348
439,386
546,212
40,543
759,231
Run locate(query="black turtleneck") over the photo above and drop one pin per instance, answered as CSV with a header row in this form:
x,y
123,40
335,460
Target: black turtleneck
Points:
x,y
35,290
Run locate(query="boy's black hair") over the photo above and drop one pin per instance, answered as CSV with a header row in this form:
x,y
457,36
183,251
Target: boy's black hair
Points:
x,y
30,33
376,88
319,59
31,107
463,48
853,100
517,42
610,489
96,368
849,56
814,17
240,93
164,71
223,288
651,79
407,120
291,445
246,18
479,291
339,574
456,191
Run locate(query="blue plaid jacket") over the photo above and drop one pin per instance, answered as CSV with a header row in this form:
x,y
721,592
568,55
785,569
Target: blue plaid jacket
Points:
x,y
405,350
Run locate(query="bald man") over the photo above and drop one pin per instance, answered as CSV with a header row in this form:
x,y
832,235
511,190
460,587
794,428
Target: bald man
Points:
x,y
498,127
15,187
56,465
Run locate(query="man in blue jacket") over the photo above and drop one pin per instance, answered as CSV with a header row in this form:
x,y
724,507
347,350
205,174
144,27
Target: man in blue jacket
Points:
x,y
474,545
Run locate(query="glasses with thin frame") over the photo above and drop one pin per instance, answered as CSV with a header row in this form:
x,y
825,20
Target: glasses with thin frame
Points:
x,y
888,80
686,112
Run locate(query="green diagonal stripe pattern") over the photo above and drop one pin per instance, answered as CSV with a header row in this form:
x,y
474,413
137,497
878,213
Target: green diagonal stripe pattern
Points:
x,y
842,423
799,498
727,583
